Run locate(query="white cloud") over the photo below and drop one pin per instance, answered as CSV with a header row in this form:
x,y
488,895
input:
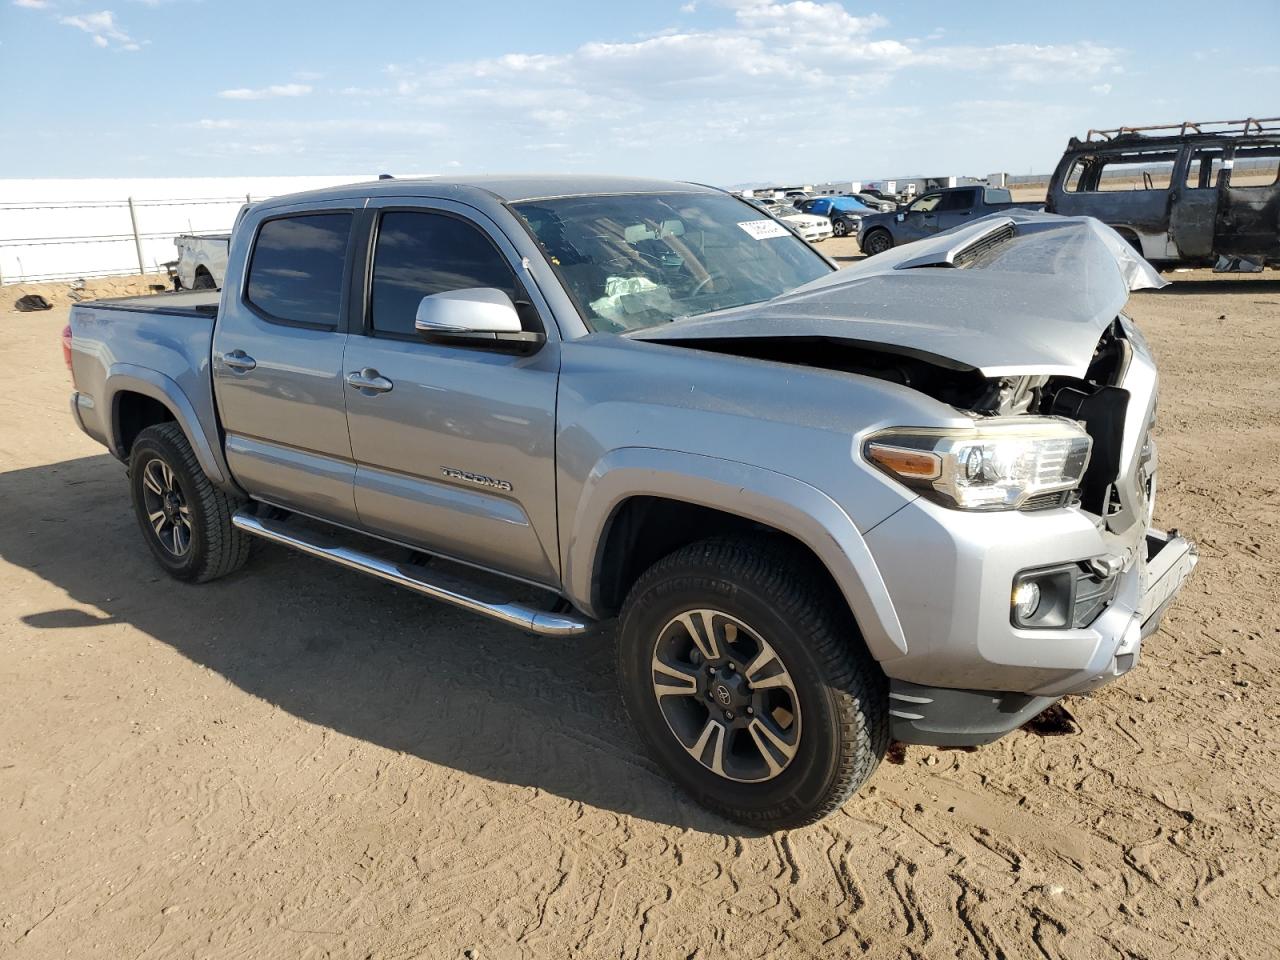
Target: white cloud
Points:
x,y
748,92
266,93
689,7
104,30
32,4
1101,88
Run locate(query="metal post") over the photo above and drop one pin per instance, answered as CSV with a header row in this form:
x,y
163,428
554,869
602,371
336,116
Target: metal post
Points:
x,y
137,240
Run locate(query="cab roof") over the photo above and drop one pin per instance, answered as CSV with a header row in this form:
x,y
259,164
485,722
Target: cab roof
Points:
x,y
509,188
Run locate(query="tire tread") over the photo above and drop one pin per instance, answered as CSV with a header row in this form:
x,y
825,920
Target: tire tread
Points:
x,y
791,580
226,547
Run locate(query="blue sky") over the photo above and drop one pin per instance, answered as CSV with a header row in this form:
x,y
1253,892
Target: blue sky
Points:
x,y
722,91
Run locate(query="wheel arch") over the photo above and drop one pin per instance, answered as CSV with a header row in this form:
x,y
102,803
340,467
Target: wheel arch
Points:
x,y
139,397
639,504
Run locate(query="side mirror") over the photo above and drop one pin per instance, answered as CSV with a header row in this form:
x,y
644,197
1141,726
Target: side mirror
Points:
x,y
477,317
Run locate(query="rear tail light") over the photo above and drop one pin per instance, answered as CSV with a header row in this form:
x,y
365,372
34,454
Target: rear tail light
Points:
x,y
66,351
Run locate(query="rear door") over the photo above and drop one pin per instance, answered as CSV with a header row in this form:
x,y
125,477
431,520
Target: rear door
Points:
x,y
956,208
1194,213
457,454
277,360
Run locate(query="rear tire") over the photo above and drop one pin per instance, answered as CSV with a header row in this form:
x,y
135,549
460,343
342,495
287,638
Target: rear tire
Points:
x,y
789,719
877,241
184,518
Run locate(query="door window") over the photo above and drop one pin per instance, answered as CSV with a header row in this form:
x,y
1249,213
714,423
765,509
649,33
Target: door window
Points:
x,y
295,275
926,204
1202,171
956,202
418,254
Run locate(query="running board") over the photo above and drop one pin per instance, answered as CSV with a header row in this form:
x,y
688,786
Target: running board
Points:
x,y
448,590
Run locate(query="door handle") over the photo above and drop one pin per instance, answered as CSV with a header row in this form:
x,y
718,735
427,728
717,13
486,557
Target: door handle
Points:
x,y
369,379
239,361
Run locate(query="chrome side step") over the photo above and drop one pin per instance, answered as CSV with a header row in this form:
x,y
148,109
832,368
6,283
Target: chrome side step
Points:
x,y
448,590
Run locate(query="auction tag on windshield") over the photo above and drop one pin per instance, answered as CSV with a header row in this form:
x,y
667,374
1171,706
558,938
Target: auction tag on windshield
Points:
x,y
764,229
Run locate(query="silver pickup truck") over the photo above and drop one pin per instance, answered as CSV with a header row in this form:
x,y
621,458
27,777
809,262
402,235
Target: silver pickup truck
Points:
x,y
907,501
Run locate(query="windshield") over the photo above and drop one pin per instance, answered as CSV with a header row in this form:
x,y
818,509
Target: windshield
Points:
x,y
639,260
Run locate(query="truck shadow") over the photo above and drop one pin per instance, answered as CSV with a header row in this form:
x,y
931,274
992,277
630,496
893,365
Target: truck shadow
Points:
x,y
342,650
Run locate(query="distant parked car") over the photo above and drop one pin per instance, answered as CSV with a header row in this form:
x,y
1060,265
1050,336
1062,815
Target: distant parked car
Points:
x,y
878,201
878,195
823,206
936,211
845,224
1185,193
810,227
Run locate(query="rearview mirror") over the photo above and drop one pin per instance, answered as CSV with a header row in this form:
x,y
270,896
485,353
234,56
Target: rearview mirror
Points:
x,y
477,316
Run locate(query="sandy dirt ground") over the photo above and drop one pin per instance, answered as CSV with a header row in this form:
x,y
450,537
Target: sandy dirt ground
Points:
x,y
299,762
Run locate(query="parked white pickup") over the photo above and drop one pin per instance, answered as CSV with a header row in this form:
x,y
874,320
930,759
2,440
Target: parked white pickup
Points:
x,y
202,260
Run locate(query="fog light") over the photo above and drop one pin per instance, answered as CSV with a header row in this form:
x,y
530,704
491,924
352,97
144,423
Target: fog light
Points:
x,y
1043,598
1026,600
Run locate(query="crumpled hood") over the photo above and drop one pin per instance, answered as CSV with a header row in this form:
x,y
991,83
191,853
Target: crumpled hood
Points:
x,y
1035,302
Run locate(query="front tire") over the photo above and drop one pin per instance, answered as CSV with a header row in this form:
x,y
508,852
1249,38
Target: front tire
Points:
x,y
839,228
877,241
184,518
745,677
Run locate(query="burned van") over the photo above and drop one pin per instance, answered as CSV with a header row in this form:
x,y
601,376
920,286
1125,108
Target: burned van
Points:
x,y
1184,193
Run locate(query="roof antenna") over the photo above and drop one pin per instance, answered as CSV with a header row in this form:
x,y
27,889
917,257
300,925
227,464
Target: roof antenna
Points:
x,y
385,176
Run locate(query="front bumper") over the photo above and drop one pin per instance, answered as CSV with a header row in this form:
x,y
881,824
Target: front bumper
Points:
x,y
947,716
815,234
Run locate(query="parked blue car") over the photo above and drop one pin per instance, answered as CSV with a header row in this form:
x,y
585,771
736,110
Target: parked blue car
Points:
x,y
823,206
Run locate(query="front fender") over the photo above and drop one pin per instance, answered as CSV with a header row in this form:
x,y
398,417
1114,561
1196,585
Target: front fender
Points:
x,y
129,377
770,498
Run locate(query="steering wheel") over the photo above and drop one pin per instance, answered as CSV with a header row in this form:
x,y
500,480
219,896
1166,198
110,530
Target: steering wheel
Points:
x,y
697,287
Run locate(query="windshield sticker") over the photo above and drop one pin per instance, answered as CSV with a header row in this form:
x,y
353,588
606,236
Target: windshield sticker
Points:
x,y
764,229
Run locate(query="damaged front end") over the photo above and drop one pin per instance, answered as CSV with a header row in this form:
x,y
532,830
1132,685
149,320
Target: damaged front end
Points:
x,y
1014,322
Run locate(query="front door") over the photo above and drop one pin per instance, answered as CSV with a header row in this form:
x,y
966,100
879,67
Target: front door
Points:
x,y
920,219
1195,204
455,447
277,360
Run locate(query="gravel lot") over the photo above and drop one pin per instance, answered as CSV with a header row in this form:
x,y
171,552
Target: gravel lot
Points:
x,y
299,762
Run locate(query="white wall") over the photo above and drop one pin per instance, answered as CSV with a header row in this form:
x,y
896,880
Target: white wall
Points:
x,y
35,212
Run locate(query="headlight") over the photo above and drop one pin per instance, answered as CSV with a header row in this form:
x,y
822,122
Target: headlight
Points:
x,y
997,464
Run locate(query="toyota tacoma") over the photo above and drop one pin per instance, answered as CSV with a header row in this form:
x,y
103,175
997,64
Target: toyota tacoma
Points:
x,y
910,500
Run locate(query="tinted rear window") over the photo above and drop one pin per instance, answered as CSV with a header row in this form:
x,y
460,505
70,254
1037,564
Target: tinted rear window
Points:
x,y
296,271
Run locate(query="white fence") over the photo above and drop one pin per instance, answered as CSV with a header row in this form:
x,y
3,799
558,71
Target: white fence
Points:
x,y
67,229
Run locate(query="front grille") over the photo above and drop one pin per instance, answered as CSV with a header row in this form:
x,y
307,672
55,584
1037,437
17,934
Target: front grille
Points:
x,y
1047,501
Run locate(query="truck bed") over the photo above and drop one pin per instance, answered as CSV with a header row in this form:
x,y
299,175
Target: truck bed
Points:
x,y
196,303
156,346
